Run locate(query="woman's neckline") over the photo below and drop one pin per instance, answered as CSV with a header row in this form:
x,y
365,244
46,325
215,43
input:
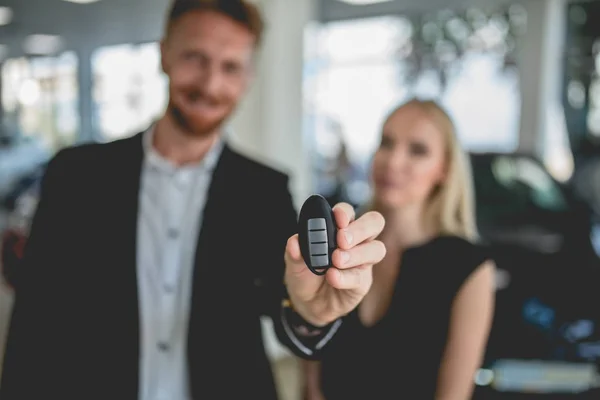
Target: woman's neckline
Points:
x,y
424,243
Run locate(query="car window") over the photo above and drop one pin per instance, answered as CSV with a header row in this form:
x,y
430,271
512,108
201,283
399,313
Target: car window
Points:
x,y
509,185
539,186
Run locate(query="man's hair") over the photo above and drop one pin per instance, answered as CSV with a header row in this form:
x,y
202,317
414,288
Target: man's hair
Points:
x,y
241,11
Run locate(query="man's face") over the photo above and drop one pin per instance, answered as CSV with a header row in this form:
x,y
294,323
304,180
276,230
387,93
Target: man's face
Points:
x,y
208,59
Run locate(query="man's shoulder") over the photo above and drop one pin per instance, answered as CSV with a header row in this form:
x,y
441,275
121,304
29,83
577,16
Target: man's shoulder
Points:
x,y
93,155
79,153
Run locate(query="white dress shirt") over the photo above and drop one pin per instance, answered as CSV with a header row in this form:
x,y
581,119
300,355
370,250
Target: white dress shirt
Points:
x,y
170,211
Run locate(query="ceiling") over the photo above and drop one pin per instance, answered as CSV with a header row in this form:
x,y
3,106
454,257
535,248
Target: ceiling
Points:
x,y
83,25
332,10
86,26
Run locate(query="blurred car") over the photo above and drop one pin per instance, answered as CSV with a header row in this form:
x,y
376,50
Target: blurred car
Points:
x,y
22,185
520,203
541,238
19,157
22,161
20,204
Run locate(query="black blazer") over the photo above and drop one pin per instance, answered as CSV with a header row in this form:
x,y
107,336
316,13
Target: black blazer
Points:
x,y
75,326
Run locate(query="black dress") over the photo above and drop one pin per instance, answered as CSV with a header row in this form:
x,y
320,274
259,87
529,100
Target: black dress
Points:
x,y
399,357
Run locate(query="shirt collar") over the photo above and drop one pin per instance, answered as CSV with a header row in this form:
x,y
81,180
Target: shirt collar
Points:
x,y
157,161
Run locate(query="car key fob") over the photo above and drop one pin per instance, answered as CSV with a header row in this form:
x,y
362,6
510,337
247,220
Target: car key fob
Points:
x,y
317,233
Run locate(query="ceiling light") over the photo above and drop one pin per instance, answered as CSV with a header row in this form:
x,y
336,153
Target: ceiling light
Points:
x,y
82,1
42,44
29,92
6,15
364,2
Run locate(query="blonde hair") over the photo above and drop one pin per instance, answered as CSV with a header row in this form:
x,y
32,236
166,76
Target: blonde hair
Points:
x,y
450,208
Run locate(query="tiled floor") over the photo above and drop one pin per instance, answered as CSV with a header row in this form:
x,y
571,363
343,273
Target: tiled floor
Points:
x,y
287,375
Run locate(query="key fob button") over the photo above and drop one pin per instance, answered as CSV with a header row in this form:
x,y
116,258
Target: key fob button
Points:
x,y
317,242
317,234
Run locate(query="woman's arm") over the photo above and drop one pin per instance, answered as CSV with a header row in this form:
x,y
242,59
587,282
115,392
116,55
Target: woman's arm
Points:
x,y
470,323
311,374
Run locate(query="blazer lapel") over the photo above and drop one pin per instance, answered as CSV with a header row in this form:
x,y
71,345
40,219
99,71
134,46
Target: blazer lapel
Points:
x,y
207,281
216,214
124,207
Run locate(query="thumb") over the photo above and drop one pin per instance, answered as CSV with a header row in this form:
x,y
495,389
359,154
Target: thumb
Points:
x,y
293,249
298,277
293,256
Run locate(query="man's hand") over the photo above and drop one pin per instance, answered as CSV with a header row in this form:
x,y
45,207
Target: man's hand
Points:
x,y
321,300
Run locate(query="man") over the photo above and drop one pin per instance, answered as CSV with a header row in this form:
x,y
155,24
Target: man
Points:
x,y
151,259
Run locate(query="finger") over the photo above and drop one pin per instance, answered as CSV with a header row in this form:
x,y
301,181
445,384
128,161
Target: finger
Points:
x,y
366,253
359,278
367,227
344,214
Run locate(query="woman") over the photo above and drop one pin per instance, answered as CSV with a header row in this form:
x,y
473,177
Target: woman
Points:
x,y
421,331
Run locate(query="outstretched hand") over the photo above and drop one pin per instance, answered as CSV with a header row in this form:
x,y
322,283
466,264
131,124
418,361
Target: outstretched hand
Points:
x,y
322,299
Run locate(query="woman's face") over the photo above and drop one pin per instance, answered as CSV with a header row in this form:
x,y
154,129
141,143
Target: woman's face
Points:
x,y
410,161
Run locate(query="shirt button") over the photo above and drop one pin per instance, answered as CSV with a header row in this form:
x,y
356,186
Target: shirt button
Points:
x,y
173,233
163,346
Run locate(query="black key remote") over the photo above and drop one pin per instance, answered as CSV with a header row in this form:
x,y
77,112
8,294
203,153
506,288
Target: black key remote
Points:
x,y
317,234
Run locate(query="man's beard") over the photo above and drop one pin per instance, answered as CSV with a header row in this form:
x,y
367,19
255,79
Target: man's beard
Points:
x,y
189,127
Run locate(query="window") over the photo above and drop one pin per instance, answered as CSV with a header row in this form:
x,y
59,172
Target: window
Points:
x,y
357,71
351,81
129,89
40,97
581,84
